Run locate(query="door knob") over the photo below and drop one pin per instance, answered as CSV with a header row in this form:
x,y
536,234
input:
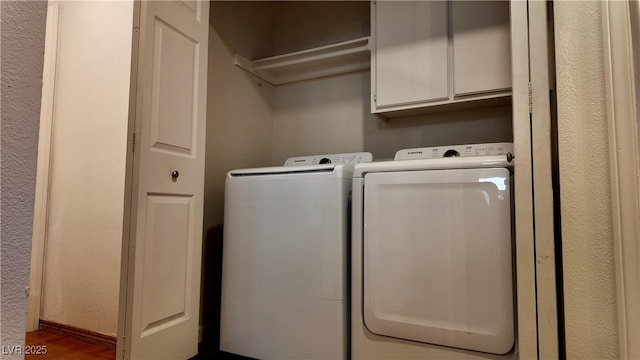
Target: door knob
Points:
x,y
175,174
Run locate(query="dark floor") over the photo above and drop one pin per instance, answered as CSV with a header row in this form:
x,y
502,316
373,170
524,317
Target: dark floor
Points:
x,y
60,347
210,350
44,345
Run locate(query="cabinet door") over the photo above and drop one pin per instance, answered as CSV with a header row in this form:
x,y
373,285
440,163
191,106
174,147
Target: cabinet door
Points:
x,y
410,55
481,51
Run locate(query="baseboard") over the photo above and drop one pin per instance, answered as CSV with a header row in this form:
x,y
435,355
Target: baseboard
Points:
x,y
80,334
205,331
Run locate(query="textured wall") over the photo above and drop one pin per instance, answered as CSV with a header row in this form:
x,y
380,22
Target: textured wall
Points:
x,y
86,185
588,259
23,30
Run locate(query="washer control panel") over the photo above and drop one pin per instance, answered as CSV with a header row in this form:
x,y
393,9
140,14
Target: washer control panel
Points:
x,y
348,158
455,151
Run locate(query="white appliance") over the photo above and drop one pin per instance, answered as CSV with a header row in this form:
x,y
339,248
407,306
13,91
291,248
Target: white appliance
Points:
x,y
432,255
284,274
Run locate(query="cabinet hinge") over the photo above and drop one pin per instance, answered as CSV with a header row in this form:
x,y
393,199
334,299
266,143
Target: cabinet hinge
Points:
x,y
375,97
530,99
133,143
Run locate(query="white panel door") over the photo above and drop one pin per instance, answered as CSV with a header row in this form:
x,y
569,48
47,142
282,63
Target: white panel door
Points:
x,y
437,258
163,287
411,52
481,47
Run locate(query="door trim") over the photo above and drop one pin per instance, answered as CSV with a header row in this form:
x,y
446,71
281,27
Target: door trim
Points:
x,y
624,156
126,277
45,141
523,184
543,202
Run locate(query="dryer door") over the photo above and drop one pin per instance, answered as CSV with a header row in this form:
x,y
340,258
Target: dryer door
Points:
x,y
437,258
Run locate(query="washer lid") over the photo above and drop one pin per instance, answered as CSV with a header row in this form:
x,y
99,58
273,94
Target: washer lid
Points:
x,y
437,258
337,170
340,165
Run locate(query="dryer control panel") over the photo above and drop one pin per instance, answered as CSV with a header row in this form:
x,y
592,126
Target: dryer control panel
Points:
x,y
455,151
348,158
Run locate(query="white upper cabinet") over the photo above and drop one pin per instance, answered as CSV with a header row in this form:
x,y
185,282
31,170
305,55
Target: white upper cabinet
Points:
x,y
481,49
410,53
433,53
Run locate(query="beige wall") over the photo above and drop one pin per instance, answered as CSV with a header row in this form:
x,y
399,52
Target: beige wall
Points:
x,y
239,116
333,115
588,259
300,25
86,197
239,128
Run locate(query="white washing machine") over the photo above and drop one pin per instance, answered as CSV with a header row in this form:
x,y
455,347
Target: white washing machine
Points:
x,y
432,255
284,274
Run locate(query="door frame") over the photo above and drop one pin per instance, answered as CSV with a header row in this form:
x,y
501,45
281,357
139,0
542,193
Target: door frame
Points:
x,y
43,170
619,20
126,261
537,307
523,184
540,82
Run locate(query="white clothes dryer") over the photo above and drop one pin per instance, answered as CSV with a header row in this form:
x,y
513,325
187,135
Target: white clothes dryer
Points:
x,y
284,269
432,255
